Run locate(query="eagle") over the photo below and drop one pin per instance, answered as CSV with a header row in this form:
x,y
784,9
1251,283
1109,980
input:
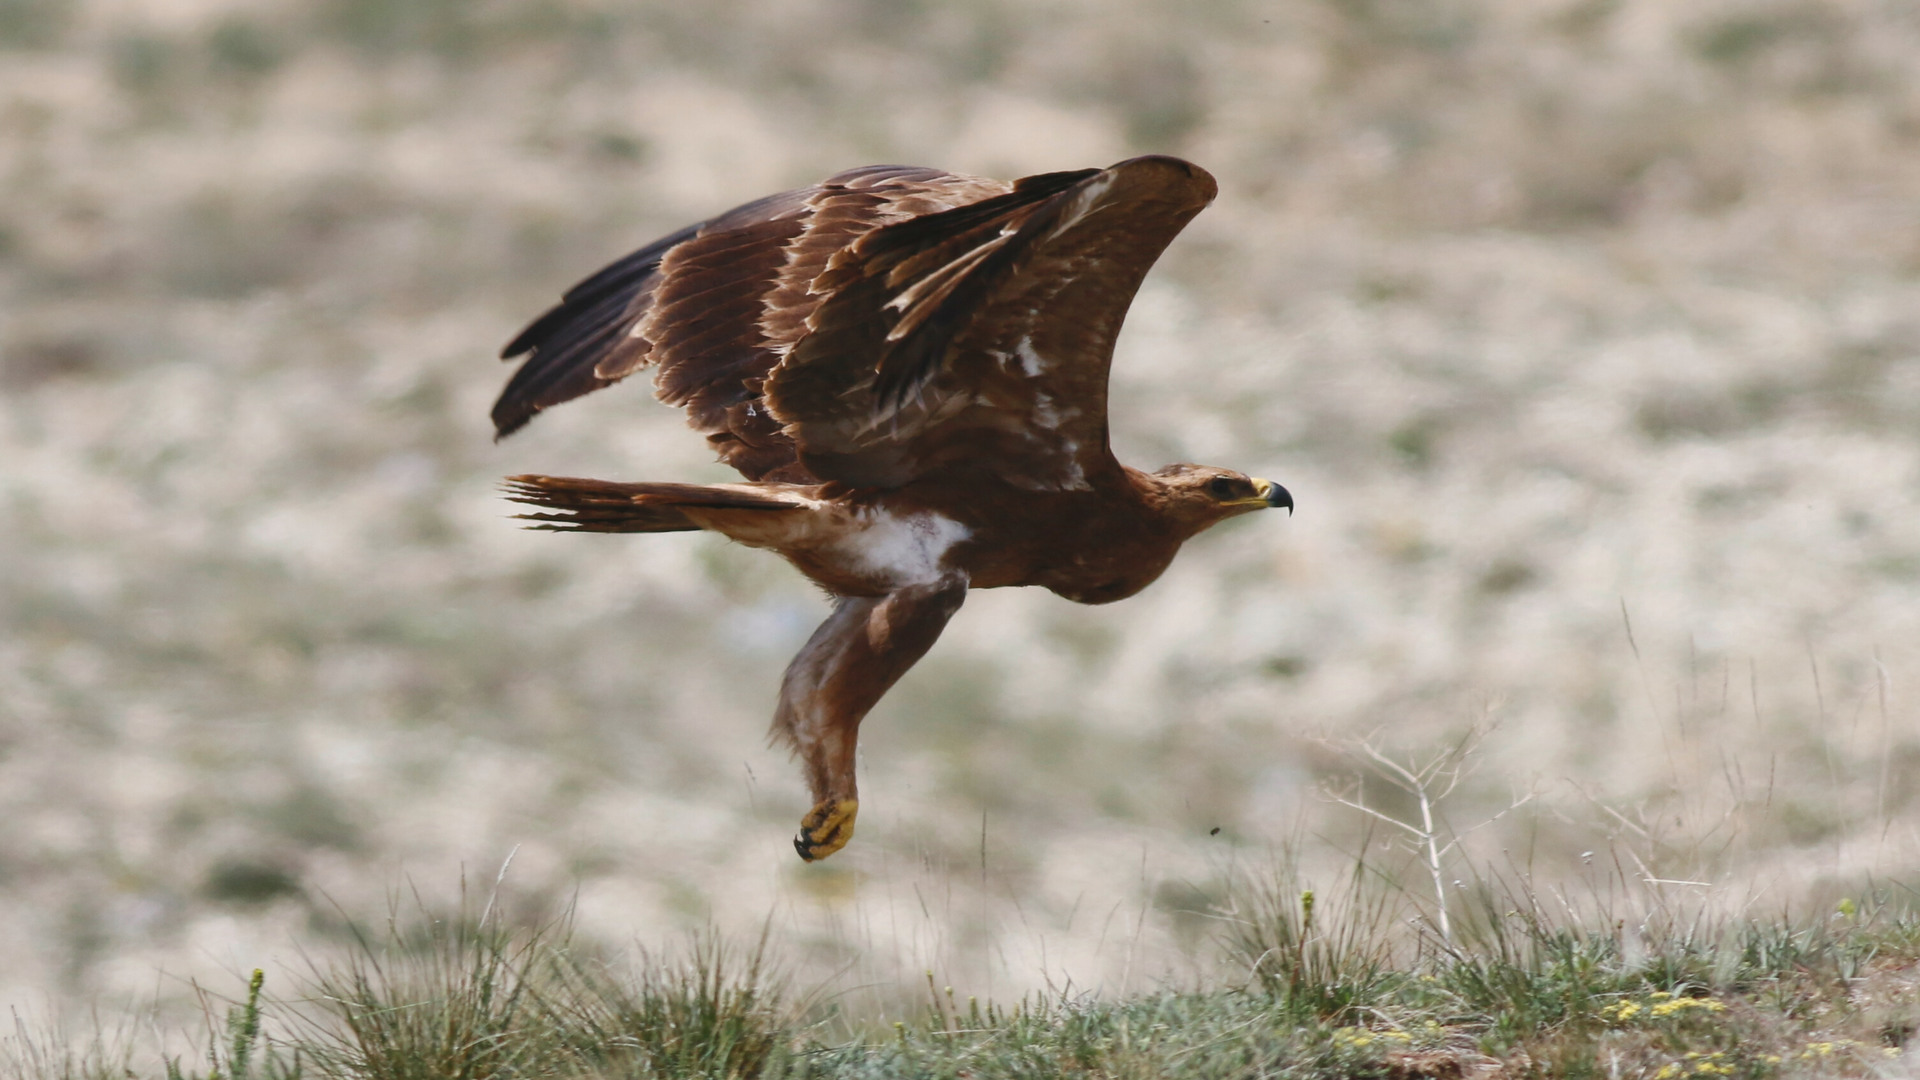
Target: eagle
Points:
x,y
909,368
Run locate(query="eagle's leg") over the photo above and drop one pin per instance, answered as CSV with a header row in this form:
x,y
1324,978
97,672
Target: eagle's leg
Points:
x,y
850,661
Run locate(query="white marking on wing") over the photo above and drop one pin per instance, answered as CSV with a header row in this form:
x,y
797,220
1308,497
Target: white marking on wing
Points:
x,y
1030,361
1068,476
912,295
1083,203
1076,477
1050,414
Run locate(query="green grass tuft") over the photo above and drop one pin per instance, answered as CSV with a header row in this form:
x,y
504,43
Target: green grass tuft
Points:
x,y
1331,962
459,998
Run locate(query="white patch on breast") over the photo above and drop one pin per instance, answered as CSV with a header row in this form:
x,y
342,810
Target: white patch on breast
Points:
x,y
905,549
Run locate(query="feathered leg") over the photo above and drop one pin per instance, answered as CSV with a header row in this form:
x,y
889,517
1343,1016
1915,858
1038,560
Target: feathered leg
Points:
x,y
850,661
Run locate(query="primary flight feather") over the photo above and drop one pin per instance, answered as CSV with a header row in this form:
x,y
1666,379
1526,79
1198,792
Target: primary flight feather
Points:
x,y
910,369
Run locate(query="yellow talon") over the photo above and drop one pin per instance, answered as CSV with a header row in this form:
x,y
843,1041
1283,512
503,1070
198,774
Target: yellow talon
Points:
x,y
826,829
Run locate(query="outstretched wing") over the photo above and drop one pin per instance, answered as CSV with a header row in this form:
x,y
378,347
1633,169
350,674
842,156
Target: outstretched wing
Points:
x,y
980,337
714,307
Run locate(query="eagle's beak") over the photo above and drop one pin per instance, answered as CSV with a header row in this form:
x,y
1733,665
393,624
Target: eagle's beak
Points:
x,y
1273,494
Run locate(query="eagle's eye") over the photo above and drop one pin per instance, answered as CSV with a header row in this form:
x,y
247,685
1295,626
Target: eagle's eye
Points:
x,y
1222,487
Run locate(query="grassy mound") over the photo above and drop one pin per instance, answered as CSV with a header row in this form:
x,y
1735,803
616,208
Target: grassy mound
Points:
x,y
1362,983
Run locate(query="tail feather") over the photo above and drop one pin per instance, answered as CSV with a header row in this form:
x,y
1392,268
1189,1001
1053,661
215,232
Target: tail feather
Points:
x,y
605,506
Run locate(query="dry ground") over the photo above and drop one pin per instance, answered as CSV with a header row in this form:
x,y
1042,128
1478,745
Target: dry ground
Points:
x,y
1587,335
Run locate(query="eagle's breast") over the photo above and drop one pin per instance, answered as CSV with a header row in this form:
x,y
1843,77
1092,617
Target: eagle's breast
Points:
x,y
895,548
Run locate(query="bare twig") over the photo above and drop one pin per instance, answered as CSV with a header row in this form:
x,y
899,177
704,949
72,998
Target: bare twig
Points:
x,y
1429,782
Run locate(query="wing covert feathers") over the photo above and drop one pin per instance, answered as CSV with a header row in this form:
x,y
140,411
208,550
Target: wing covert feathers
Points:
x,y
982,337
885,322
713,307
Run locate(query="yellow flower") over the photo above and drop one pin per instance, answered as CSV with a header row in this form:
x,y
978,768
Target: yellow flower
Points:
x,y
1356,1037
1620,1011
1658,994
1668,1008
1667,1072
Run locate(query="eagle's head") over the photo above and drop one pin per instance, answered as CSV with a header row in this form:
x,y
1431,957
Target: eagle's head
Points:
x,y
1197,497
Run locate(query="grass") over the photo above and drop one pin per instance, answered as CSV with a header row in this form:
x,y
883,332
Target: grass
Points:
x,y
1354,983
1386,972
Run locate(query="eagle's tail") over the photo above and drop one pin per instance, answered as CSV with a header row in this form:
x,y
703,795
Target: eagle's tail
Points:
x,y
606,506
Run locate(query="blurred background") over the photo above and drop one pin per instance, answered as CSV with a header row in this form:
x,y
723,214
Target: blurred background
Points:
x,y
1586,334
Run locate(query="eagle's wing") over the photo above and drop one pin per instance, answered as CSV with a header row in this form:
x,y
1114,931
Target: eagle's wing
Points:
x,y
714,307
980,337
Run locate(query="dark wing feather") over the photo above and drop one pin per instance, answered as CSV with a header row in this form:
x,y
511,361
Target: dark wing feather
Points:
x,y
980,338
714,307
568,341
587,341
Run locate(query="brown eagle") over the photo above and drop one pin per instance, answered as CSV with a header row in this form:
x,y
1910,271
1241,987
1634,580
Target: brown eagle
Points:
x,y
910,368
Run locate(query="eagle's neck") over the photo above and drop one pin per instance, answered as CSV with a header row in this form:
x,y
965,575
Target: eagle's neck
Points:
x,y
1177,508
